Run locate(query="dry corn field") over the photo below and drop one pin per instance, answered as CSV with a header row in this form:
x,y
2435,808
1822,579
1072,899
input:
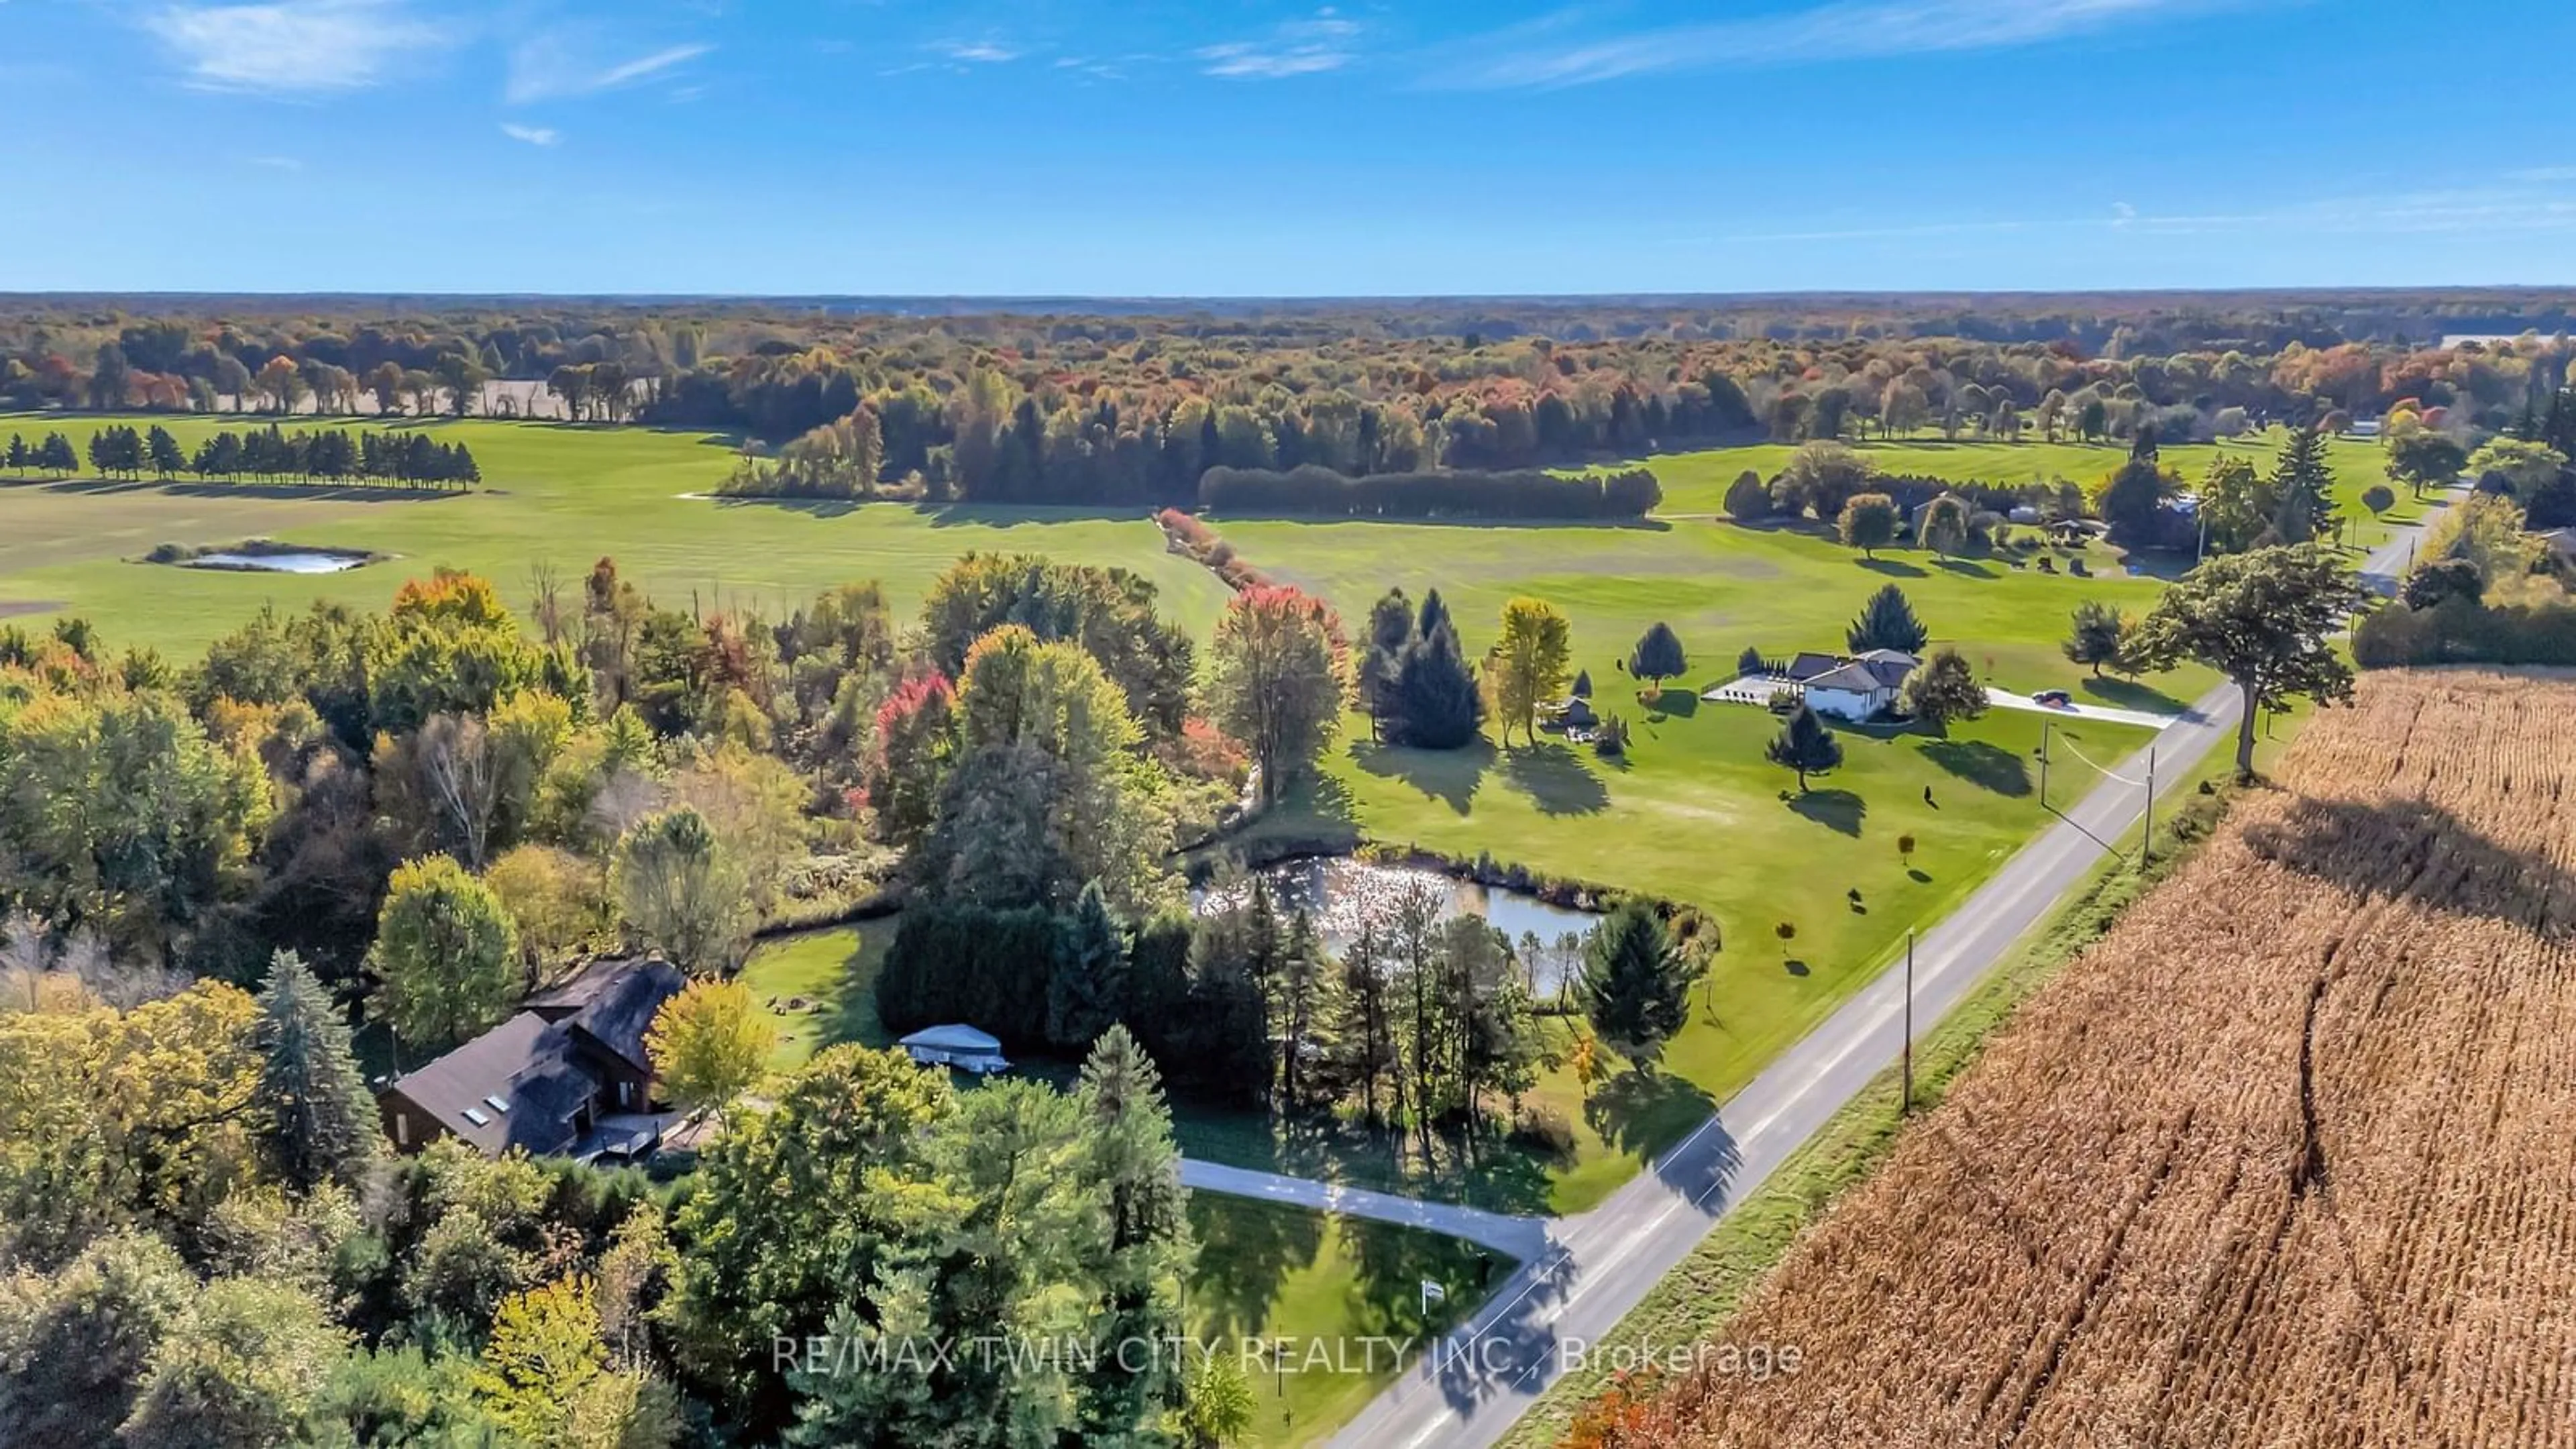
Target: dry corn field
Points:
x,y
2289,1158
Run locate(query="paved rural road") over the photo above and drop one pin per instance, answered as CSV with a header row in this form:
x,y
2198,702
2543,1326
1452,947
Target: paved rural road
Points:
x,y
1522,1238
1470,1388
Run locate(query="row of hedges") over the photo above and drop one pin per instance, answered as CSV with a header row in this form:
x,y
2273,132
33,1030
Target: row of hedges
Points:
x,y
2464,631
1630,493
1192,536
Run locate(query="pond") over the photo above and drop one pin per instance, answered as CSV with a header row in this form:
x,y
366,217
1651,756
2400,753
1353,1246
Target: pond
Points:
x,y
1339,890
309,561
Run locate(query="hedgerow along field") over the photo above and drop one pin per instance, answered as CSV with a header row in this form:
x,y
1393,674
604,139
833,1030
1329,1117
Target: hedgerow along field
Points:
x,y
2282,1160
1697,482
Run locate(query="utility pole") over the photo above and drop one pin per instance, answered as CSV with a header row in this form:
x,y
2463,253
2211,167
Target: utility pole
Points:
x,y
2044,727
2147,841
1905,1105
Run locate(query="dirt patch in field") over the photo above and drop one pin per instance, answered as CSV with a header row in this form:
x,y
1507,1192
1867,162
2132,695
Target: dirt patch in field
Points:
x,y
12,608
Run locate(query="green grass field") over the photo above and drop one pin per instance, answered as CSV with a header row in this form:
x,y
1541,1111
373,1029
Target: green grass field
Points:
x,y
1695,813
554,493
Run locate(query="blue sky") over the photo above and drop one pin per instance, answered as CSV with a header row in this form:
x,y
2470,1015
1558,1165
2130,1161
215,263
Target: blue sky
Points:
x,y
1237,148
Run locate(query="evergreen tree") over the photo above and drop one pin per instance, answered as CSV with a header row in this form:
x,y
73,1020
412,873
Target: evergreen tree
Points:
x,y
1303,1007
1806,746
1088,985
1657,657
2304,486
1390,630
1437,704
1636,984
1887,621
320,1122
1364,1025
1134,1169
164,452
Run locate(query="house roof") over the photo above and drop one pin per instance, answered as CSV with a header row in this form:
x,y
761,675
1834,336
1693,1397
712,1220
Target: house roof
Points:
x,y
529,1078
952,1039
525,1066
1854,678
1808,665
2563,540
623,1006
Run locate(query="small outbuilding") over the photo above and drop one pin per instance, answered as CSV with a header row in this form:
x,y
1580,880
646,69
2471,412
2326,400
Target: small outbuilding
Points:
x,y
962,1047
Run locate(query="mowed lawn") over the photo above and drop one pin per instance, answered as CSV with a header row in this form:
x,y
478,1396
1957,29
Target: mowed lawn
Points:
x,y
554,494
819,988
1696,813
1696,483
1339,1298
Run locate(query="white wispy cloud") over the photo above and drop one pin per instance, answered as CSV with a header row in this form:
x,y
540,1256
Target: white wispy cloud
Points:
x,y
558,63
533,135
1562,50
978,52
1324,42
292,47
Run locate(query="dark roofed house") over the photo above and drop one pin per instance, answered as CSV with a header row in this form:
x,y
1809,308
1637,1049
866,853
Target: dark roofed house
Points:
x,y
543,1079
1808,665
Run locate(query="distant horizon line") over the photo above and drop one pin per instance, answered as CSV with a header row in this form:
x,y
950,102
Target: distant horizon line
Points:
x,y
1602,298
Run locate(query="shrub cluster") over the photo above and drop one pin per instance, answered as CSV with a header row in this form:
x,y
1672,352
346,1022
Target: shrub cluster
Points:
x,y
2461,630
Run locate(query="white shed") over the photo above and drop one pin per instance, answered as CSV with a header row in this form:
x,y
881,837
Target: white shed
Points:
x,y
962,1047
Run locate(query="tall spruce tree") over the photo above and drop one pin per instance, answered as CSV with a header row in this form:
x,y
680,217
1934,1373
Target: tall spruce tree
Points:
x,y
1390,630
1437,705
1088,987
2304,486
319,1123
1806,746
1134,1169
1636,984
1887,621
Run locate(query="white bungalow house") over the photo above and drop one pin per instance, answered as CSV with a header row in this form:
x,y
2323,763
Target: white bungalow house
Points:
x,y
1860,688
962,1047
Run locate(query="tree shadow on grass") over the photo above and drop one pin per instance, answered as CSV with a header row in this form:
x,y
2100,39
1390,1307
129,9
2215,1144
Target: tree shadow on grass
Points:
x,y
1895,568
1448,776
1674,703
1837,810
1967,568
2131,694
1554,778
1640,1114
1246,1249
1987,766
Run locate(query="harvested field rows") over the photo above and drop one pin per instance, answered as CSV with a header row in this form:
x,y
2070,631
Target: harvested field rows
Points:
x,y
2288,1159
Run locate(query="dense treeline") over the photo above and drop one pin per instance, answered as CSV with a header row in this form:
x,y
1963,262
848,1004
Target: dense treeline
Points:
x,y
270,453
1628,493
1125,409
